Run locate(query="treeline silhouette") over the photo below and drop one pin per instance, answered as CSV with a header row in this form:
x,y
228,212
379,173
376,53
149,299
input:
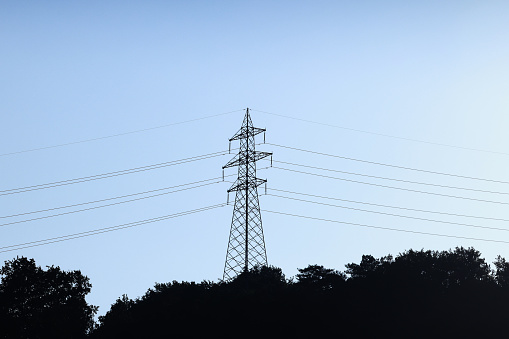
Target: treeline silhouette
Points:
x,y
416,294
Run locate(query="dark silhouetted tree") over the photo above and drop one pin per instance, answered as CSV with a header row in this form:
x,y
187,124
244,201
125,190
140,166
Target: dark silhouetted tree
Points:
x,y
416,294
119,313
445,268
463,265
37,303
368,267
260,278
320,278
502,271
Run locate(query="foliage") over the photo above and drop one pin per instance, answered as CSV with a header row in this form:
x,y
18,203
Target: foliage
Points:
x,y
450,268
38,303
502,271
320,278
418,294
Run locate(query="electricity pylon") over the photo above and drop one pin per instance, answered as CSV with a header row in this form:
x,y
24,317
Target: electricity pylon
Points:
x,y
246,245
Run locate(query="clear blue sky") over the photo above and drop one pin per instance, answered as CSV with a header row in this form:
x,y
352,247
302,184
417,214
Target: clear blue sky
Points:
x,y
72,71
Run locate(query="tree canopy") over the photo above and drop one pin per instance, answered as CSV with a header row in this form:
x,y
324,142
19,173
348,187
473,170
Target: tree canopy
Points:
x,y
418,294
43,303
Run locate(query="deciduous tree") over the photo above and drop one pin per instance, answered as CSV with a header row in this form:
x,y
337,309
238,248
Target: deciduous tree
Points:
x,y
38,303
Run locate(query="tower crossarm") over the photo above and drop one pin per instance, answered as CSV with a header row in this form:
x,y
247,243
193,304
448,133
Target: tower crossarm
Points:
x,y
242,185
246,132
241,159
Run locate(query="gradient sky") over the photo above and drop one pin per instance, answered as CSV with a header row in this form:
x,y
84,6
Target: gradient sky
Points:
x,y
70,71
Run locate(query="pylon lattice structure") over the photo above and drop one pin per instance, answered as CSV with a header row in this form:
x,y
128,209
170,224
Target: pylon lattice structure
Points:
x,y
246,245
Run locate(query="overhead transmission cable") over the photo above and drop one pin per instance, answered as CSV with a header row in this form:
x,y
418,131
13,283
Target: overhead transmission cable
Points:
x,y
386,178
119,134
104,230
114,198
391,187
382,134
386,206
389,165
108,205
386,228
391,214
111,174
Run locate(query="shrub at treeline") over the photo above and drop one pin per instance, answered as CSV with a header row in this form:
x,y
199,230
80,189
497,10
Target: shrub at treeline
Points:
x,y
417,294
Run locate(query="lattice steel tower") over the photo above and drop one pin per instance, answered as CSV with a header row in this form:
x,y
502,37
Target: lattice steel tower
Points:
x,y
246,246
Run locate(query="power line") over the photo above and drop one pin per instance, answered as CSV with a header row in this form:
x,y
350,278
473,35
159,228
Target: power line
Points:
x,y
119,134
107,205
142,168
104,230
392,214
111,174
387,206
383,135
388,228
112,198
392,179
388,165
392,187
